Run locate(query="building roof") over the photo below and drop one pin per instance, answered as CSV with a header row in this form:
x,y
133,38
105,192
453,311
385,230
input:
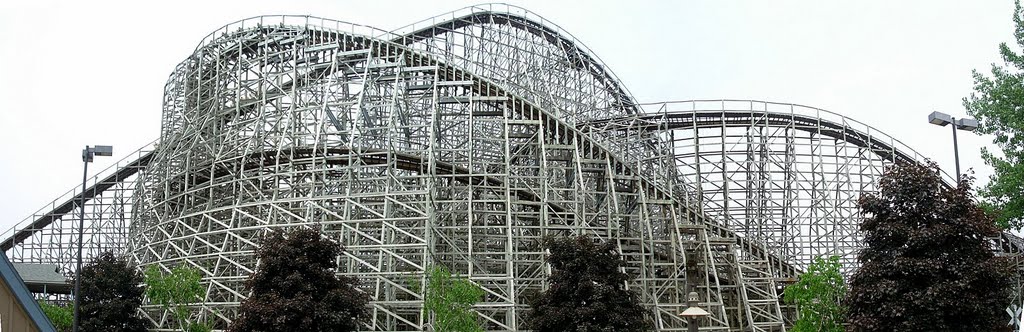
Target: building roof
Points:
x,y
22,296
43,278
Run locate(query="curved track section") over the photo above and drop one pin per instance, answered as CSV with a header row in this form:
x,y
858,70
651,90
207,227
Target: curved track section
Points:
x,y
525,54
410,162
785,175
463,140
49,236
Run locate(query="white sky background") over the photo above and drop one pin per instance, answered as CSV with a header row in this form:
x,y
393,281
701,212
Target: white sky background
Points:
x,y
76,73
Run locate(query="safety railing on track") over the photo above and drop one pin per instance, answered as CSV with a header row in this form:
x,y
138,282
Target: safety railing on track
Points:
x,y
791,110
48,235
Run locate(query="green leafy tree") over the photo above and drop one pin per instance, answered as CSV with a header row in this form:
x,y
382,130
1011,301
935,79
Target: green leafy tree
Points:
x,y
818,296
61,316
586,290
295,287
175,291
111,294
998,104
449,299
926,264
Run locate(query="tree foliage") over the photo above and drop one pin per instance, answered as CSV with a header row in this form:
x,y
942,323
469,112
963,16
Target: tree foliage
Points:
x,y
295,287
818,296
111,295
175,291
998,104
927,265
586,290
449,299
61,316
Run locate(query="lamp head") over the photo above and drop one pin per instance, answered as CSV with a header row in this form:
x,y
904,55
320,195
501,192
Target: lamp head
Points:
x,y
99,150
967,124
939,118
103,150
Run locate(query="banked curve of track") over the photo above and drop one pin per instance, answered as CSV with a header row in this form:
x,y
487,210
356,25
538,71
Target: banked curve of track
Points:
x,y
579,56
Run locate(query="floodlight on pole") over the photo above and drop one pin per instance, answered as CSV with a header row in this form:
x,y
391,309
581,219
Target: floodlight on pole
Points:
x,y
939,118
87,157
967,124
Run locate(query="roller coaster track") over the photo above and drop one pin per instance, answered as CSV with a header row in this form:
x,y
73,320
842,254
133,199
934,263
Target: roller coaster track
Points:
x,y
588,136
813,124
578,56
656,121
719,119
61,209
484,86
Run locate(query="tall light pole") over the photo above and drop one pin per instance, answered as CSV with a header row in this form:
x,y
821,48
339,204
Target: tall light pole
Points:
x,y
967,124
87,155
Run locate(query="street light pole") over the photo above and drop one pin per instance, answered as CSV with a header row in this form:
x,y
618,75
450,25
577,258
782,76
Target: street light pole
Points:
x,y
87,156
956,153
968,124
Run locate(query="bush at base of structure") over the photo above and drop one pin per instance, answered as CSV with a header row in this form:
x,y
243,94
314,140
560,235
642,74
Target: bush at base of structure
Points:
x,y
61,316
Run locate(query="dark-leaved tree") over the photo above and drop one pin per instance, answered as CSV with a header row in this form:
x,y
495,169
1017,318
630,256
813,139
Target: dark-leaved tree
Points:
x,y
586,290
295,287
111,295
927,265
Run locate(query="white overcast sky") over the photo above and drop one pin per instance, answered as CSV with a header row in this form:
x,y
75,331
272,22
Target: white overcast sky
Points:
x,y
76,73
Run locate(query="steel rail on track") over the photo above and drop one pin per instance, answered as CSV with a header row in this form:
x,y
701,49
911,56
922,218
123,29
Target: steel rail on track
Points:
x,y
69,205
403,161
586,135
698,119
482,86
578,57
485,87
